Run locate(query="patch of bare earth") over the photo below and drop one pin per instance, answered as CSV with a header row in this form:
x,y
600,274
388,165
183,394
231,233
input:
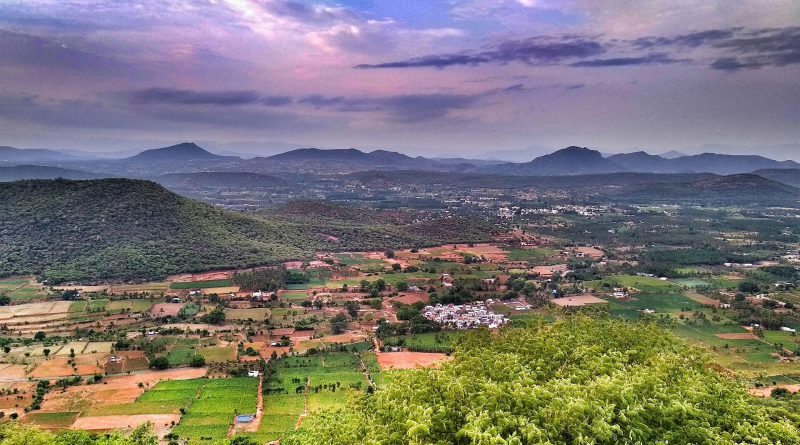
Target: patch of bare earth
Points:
x,y
162,423
409,360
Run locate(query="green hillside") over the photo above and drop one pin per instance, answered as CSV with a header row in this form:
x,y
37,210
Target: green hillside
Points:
x,y
129,229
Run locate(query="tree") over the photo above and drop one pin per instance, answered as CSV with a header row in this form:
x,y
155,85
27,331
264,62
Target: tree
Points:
x,y
338,324
159,363
216,316
39,336
402,286
749,287
46,352
630,383
197,361
352,309
242,440
5,300
389,253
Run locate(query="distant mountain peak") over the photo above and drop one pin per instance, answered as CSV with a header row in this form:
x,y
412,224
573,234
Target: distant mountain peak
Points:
x,y
185,151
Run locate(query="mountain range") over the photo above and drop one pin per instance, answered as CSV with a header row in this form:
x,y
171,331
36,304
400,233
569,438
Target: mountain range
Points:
x,y
573,160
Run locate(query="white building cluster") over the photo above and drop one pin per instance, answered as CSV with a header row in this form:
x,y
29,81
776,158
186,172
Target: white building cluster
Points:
x,y
467,316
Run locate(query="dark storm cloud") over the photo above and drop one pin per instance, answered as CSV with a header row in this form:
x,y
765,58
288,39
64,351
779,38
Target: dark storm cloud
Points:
x,y
737,48
99,113
650,59
732,49
193,97
692,40
20,49
760,48
531,51
402,108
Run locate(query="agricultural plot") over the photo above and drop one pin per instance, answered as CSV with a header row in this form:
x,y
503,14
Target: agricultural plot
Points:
x,y
692,283
186,285
639,283
60,420
294,295
661,303
257,314
210,415
218,354
131,306
167,397
531,255
427,342
281,412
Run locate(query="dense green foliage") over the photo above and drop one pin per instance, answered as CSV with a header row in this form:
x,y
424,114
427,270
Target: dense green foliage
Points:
x,y
576,381
15,434
119,228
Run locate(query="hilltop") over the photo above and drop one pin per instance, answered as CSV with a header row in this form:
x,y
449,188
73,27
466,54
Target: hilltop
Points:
x,y
186,151
572,160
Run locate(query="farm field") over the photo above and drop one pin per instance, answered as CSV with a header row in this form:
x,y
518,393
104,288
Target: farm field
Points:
x,y
211,413
134,306
533,254
640,283
247,314
427,342
200,284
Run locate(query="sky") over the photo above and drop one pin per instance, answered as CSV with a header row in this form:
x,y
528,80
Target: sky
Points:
x,y
466,78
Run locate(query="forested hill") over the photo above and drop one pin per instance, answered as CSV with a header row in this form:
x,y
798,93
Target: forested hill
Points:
x,y
66,230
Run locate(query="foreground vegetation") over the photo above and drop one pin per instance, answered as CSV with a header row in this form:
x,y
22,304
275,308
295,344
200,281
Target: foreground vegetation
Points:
x,y
576,381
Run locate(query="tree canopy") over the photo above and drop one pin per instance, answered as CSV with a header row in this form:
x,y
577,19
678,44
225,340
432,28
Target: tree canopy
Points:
x,y
574,381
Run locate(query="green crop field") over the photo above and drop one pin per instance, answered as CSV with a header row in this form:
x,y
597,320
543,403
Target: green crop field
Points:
x,y
166,397
52,420
97,305
427,342
691,282
201,284
643,284
665,303
210,415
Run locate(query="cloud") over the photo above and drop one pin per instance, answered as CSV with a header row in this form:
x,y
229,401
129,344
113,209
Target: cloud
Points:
x,y
692,40
650,59
407,108
760,48
193,97
737,48
531,51
47,54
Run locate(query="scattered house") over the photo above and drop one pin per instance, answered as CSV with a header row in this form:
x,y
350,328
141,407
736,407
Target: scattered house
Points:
x,y
647,311
447,280
788,329
252,373
725,306
619,294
